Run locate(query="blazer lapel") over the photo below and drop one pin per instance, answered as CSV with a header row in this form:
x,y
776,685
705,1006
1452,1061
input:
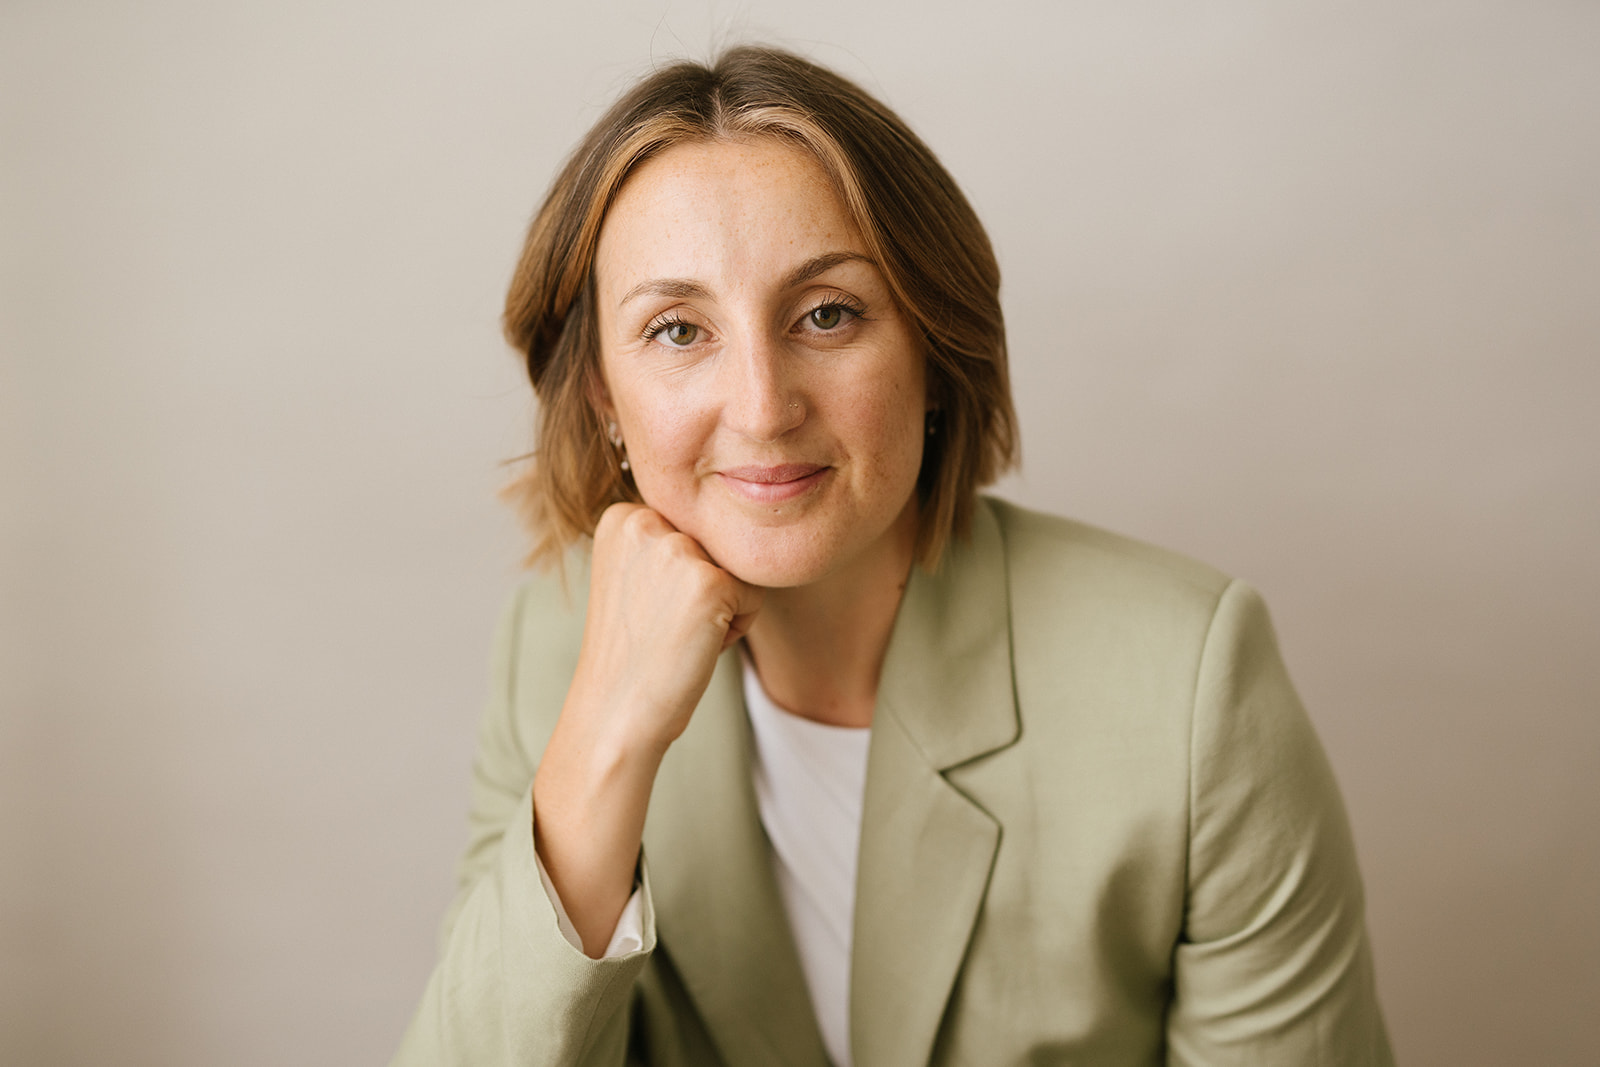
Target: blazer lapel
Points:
x,y
719,916
945,698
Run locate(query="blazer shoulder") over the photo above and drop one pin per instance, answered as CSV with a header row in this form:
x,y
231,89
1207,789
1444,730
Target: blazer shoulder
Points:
x,y
536,647
1064,557
552,599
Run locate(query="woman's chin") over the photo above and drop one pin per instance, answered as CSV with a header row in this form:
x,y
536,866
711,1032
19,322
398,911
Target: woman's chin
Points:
x,y
781,558
811,550
773,571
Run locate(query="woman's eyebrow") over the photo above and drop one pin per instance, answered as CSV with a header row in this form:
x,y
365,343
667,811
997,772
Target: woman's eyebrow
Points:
x,y
689,289
677,288
821,265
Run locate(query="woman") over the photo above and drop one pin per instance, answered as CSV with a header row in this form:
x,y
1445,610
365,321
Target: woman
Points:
x,y
837,760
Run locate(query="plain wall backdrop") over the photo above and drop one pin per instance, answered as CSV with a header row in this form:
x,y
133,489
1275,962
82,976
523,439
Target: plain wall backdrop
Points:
x,y
1309,290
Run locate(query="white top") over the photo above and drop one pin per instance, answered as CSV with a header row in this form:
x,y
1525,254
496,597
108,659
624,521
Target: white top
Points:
x,y
810,779
627,937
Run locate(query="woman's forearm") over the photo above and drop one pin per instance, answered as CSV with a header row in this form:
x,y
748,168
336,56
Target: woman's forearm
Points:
x,y
590,796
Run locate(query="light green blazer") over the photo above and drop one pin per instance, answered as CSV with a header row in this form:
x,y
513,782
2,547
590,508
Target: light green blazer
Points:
x,y
1098,829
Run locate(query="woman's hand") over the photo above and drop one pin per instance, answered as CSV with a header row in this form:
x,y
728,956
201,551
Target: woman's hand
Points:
x,y
660,612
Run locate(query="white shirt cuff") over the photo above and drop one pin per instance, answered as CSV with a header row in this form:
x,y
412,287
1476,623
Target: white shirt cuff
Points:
x,y
626,938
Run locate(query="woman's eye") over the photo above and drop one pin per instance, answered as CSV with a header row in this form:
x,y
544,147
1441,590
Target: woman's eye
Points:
x,y
681,333
827,317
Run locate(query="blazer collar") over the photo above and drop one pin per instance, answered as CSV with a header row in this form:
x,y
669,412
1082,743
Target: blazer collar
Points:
x,y
947,675
719,916
945,698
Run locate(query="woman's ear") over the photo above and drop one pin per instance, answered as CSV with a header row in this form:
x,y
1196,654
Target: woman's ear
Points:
x,y
933,400
600,402
599,397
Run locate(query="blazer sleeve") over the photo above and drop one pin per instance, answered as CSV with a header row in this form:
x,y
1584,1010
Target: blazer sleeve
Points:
x,y
1273,966
508,987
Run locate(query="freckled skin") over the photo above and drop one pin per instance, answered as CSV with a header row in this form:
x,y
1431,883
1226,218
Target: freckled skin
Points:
x,y
747,378
771,397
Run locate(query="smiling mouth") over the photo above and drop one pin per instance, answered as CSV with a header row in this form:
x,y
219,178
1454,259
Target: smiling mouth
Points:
x,y
768,485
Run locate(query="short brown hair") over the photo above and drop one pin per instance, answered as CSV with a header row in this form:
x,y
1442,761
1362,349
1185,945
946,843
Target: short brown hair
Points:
x,y
916,224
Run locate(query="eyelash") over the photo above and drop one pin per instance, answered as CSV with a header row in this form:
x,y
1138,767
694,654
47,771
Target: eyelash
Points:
x,y
662,323
665,322
843,303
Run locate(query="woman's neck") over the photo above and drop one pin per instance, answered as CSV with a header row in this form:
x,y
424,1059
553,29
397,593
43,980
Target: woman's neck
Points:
x,y
819,649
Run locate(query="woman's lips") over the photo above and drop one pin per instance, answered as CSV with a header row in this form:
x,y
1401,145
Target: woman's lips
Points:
x,y
767,485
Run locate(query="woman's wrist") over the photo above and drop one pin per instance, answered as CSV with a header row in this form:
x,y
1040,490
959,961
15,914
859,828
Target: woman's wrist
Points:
x,y
590,795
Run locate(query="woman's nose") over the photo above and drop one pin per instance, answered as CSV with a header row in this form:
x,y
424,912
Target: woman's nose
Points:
x,y
763,399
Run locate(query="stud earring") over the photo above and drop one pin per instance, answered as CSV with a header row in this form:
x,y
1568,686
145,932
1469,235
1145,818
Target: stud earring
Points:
x,y
616,442
931,423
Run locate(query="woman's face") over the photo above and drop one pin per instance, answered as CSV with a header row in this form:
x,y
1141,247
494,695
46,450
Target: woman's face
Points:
x,y
770,394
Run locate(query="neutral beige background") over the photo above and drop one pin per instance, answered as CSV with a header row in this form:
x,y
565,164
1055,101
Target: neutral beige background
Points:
x,y
1311,290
